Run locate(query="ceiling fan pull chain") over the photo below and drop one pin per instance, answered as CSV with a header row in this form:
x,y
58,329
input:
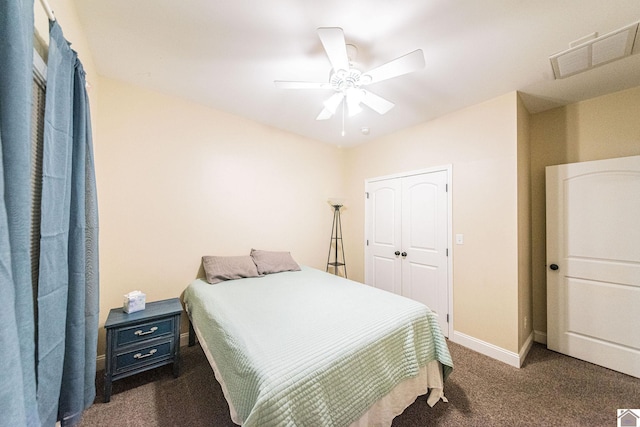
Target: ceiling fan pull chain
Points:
x,y
343,102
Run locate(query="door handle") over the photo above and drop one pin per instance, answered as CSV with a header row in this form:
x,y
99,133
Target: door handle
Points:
x,y
554,267
404,254
397,253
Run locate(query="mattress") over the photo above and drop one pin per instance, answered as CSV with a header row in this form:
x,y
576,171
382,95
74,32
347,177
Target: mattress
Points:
x,y
310,348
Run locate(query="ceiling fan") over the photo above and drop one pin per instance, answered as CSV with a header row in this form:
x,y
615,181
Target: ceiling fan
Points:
x,y
348,83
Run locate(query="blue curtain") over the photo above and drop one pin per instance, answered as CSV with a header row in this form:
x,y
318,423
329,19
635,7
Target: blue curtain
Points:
x,y
78,377
18,406
48,368
68,277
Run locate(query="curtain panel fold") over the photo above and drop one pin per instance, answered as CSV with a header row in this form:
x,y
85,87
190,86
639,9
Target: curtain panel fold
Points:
x,y
78,389
68,277
53,278
18,406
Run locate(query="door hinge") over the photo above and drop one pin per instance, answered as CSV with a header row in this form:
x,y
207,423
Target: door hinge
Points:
x,y
367,242
446,188
367,193
447,317
447,251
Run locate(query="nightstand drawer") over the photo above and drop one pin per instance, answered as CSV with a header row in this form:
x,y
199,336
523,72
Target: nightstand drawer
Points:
x,y
144,331
144,355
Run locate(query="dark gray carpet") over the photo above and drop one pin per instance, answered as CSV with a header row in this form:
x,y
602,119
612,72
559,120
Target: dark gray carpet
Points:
x,y
549,390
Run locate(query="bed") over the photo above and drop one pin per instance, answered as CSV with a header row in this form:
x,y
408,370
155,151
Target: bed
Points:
x,y
307,348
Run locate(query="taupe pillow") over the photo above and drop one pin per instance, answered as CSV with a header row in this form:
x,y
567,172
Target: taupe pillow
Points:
x,y
273,262
221,268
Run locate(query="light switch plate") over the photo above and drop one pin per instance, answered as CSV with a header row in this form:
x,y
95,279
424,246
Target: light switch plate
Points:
x,y
459,239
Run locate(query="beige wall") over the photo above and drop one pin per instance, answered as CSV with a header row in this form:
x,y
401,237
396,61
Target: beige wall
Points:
x,y
599,128
177,180
525,298
481,144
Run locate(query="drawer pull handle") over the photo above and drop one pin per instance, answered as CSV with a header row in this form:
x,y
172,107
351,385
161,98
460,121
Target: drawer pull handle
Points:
x,y
150,331
142,356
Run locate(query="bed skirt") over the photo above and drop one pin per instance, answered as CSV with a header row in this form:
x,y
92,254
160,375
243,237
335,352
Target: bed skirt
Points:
x,y
382,413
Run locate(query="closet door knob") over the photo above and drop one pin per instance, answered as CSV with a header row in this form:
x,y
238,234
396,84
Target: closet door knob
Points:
x,y
554,267
397,253
404,254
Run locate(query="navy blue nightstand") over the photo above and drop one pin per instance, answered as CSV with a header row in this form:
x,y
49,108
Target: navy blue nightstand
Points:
x,y
142,340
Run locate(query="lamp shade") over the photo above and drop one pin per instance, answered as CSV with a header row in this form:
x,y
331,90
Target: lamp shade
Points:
x,y
336,201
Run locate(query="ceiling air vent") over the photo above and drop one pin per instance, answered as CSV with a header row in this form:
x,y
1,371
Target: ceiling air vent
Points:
x,y
592,51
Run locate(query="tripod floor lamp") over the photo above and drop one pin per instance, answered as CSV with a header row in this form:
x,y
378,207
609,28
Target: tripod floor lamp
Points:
x,y
336,246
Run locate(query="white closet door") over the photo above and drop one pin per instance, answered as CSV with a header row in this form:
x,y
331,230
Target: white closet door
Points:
x,y
424,241
407,237
593,258
384,238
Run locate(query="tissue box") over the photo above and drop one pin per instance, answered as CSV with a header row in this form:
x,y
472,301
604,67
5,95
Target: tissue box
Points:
x,y
134,301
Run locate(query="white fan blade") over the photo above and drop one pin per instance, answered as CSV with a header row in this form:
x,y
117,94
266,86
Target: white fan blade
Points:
x,y
332,103
405,64
376,103
301,85
333,41
324,114
330,106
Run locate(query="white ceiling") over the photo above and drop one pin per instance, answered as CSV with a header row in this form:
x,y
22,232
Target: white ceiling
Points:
x,y
226,54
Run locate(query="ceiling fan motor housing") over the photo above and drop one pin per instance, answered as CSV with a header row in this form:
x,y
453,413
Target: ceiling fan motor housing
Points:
x,y
342,80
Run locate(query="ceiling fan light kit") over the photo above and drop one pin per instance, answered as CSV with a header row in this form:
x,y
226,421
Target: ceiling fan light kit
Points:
x,y
347,82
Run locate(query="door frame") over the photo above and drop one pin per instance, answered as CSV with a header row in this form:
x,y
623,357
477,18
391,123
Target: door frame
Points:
x,y
448,168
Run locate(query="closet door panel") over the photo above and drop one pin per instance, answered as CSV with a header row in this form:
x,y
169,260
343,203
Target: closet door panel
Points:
x,y
383,270
424,240
415,277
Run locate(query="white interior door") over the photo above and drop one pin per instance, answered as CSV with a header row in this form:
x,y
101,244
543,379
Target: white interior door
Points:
x,y
424,242
407,238
384,239
593,259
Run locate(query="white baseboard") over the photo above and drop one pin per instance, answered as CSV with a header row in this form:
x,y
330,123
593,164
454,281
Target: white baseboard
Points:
x,y
184,339
100,360
541,337
525,349
493,351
